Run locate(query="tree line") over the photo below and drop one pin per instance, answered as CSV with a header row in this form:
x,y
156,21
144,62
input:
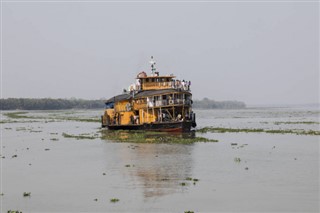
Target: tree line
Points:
x,y
57,104
49,104
211,104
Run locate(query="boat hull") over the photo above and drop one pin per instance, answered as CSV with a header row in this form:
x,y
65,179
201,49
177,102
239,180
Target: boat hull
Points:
x,y
180,126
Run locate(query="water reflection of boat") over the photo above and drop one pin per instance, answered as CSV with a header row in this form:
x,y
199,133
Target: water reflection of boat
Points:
x,y
154,102
158,169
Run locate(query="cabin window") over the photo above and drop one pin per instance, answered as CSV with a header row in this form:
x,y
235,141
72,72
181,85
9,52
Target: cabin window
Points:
x,y
110,105
153,80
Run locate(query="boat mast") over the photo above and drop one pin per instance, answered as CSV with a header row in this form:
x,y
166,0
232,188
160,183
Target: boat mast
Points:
x,y
153,65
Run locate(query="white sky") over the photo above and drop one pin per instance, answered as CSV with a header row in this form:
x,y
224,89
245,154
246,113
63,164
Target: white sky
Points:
x,y
258,52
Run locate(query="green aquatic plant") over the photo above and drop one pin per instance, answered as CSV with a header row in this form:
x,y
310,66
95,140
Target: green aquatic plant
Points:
x,y
237,160
36,131
192,179
21,129
26,194
223,130
7,121
276,131
50,121
152,137
297,132
17,121
114,200
95,120
51,117
295,122
78,137
16,115
21,115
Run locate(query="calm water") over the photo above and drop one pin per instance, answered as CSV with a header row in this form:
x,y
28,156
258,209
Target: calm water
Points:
x,y
276,173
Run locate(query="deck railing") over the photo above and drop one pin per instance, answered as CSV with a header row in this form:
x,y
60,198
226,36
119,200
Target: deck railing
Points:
x,y
162,103
163,85
157,103
156,85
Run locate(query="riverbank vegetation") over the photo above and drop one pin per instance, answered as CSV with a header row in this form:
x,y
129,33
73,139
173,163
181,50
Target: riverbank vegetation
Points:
x,y
49,104
211,104
59,104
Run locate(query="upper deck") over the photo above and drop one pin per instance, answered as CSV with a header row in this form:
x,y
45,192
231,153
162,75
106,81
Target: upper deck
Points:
x,y
156,82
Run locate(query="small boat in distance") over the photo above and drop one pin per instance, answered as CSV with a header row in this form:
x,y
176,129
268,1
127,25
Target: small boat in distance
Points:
x,y
153,102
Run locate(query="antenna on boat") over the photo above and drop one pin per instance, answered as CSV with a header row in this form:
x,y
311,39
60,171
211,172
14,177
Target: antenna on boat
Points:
x,y
153,65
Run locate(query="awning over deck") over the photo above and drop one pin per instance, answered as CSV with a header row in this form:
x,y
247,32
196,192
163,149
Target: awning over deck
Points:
x,y
118,98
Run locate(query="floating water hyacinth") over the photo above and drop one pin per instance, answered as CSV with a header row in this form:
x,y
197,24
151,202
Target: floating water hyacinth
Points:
x,y
114,200
238,160
276,131
26,194
152,137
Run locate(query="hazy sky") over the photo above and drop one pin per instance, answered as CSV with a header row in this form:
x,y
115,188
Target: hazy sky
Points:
x,y
256,52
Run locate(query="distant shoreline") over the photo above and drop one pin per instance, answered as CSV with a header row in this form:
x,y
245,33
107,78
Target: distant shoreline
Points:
x,y
61,104
49,104
312,105
212,104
